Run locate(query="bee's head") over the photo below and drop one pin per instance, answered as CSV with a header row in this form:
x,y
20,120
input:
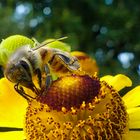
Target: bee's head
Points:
x,y
19,72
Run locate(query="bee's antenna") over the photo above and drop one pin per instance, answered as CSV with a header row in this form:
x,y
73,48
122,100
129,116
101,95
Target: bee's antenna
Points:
x,y
45,43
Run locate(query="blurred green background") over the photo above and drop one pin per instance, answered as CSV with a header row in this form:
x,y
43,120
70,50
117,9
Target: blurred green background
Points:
x,y
108,30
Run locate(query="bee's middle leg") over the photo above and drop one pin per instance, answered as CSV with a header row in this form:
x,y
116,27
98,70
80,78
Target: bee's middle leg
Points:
x,y
48,76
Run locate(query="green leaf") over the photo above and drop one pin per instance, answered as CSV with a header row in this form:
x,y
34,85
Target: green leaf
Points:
x,y
10,44
58,45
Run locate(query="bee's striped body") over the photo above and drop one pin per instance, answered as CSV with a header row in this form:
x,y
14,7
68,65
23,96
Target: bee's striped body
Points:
x,y
27,62
58,64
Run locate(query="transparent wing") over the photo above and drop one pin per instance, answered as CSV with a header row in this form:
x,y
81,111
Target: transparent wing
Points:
x,y
70,62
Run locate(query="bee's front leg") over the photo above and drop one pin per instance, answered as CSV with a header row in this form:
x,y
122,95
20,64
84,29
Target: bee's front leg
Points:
x,y
21,91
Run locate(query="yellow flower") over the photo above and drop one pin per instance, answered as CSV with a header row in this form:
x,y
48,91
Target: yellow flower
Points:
x,y
132,102
87,63
76,107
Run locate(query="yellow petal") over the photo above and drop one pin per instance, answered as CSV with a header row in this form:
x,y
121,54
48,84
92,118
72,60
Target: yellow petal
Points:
x,y
134,118
132,98
12,105
133,135
13,135
118,82
87,63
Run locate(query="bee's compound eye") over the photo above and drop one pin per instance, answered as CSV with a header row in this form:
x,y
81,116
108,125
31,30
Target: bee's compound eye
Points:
x,y
8,71
13,72
10,76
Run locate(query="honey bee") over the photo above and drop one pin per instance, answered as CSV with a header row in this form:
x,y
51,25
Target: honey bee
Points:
x,y
27,62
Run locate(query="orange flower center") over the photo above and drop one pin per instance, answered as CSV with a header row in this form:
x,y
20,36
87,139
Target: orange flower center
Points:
x,y
77,107
71,91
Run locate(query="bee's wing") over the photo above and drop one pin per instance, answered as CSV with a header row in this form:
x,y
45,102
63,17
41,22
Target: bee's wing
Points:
x,y
71,62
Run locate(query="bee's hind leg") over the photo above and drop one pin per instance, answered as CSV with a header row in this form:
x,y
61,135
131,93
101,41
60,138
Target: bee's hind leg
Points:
x,y
48,76
21,91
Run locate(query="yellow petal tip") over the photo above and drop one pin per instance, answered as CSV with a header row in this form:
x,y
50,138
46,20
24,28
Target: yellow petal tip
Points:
x,y
119,81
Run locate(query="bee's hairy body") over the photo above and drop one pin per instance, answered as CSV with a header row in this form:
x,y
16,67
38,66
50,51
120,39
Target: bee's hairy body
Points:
x,y
26,63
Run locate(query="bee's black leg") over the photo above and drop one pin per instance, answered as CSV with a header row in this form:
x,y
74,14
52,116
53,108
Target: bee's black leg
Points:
x,y
21,91
48,76
35,89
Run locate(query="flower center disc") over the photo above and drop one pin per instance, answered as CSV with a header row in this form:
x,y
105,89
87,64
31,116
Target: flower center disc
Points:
x,y
70,91
77,107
